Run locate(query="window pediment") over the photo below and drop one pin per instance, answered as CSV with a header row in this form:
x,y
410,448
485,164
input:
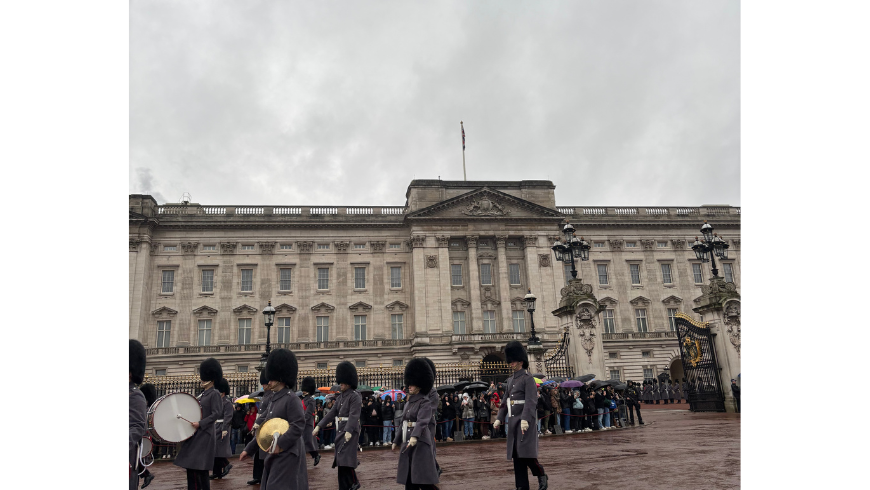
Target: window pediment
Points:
x,y
285,308
323,308
608,301
205,310
672,301
360,306
244,309
640,301
459,304
397,305
164,311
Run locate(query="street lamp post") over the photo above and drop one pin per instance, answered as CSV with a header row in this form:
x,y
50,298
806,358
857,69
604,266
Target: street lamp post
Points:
x,y
269,316
530,307
712,244
570,248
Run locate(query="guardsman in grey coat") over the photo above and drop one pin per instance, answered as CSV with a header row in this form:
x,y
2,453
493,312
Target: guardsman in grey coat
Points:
x,y
222,450
677,391
646,394
285,466
435,399
138,409
684,391
150,392
346,412
260,456
656,394
310,405
665,388
519,406
416,469
197,452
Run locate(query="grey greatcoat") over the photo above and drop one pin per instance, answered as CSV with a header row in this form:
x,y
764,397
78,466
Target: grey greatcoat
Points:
x,y
665,390
433,399
656,394
310,406
520,386
197,452
348,404
684,393
419,460
222,447
138,429
647,395
287,469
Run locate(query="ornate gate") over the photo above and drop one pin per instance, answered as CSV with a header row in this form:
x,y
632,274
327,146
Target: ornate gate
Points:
x,y
557,363
699,365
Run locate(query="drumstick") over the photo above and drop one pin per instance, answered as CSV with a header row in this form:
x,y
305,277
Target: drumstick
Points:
x,y
178,416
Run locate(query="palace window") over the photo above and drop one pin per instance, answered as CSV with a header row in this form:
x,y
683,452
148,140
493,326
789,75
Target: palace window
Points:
x,y
159,372
284,282
322,365
647,373
630,244
170,248
284,330
359,246
458,322
514,270
486,274
395,277
602,274
208,281
397,328
322,328
609,324
359,327
209,248
456,274
323,278
241,369
360,364
672,319
359,277
398,363
614,374
163,331
247,247
667,278
395,245
489,321
204,332
729,272
645,354
612,355
662,244
635,274
640,316
244,330
286,246
697,273
322,246
599,244
168,282
247,280
519,321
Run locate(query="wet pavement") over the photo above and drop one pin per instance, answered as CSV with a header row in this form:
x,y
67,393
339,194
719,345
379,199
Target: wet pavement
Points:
x,y
677,449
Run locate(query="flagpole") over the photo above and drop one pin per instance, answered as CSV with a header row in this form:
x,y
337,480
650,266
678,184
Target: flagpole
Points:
x,y
463,151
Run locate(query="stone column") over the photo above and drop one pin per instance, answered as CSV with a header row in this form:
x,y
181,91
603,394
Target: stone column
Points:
x,y
720,302
476,319
553,280
444,284
225,327
530,243
380,328
418,289
186,325
266,271
504,289
305,329
140,287
343,286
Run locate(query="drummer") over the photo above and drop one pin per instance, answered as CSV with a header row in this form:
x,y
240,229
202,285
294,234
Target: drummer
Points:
x,y
150,392
416,469
285,466
308,388
138,408
197,452
346,412
222,465
433,397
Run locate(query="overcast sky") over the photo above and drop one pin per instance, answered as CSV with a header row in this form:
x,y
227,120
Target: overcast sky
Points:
x,y
268,102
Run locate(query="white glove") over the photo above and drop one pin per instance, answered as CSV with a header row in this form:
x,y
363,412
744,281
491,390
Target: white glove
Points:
x,y
496,424
255,427
394,447
412,441
223,434
347,436
524,425
315,431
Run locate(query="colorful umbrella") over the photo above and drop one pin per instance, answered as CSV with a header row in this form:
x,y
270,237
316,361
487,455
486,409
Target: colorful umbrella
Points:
x,y
393,394
537,382
572,384
549,382
245,399
325,389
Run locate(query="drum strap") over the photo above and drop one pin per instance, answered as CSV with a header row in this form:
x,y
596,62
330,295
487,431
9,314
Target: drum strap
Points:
x,y
140,460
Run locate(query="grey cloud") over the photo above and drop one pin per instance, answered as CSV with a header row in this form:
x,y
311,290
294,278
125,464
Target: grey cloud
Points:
x,y
619,103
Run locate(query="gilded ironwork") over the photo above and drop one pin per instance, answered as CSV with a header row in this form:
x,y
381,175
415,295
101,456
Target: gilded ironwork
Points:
x,y
700,368
692,320
692,350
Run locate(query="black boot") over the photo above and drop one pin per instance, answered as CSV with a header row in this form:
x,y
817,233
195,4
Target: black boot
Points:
x,y
316,459
542,482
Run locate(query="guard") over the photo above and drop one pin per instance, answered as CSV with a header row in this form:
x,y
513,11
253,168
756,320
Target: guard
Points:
x,y
197,452
138,408
519,406
345,412
309,404
416,469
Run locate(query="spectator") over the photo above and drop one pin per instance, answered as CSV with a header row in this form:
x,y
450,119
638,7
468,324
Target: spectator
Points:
x,y
557,408
577,412
250,418
329,430
494,403
548,408
566,401
371,419
468,416
387,414
482,409
238,425
448,413
600,406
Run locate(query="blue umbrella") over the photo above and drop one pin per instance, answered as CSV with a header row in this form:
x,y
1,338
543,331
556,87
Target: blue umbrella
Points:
x,y
320,397
393,394
549,382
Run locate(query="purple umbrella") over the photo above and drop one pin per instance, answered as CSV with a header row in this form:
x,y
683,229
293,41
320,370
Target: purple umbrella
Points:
x,y
571,384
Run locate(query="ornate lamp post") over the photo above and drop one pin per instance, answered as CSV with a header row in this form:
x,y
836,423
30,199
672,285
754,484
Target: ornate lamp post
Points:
x,y
530,307
712,244
269,315
570,248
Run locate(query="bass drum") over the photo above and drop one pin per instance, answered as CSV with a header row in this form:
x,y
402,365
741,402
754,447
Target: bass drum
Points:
x,y
170,416
146,445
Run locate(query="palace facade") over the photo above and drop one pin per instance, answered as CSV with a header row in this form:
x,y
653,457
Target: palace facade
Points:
x,y
443,276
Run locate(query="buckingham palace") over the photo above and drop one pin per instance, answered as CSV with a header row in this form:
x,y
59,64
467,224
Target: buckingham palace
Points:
x,y
443,276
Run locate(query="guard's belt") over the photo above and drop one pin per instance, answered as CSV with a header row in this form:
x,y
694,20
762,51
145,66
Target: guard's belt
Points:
x,y
342,419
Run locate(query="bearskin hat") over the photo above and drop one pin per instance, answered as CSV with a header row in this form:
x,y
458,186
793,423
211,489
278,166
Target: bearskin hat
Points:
x,y
210,370
345,373
431,366
282,366
223,386
419,374
514,351
137,361
263,380
656,381
150,393
308,385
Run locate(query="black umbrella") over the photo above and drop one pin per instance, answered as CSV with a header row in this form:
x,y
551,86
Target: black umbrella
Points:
x,y
299,394
366,392
448,388
599,384
620,386
539,375
476,386
461,385
556,379
584,378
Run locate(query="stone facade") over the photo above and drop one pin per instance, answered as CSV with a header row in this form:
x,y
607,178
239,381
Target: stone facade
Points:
x,y
455,250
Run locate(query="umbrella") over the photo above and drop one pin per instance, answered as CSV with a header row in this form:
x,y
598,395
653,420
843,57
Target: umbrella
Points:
x,y
572,384
257,394
537,382
599,384
362,388
366,392
477,386
460,386
556,379
325,389
244,399
549,382
584,378
393,394
445,388
538,375
620,386
299,394
320,397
